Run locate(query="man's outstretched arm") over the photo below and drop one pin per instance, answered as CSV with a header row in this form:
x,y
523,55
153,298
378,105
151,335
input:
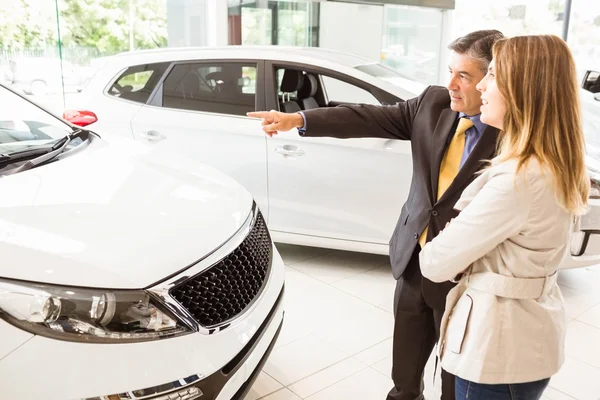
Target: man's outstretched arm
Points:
x,y
347,121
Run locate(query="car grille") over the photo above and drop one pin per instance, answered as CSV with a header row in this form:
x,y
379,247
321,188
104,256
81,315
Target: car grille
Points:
x,y
223,291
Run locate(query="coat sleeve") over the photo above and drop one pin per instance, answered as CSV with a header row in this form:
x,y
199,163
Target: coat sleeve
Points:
x,y
497,212
364,121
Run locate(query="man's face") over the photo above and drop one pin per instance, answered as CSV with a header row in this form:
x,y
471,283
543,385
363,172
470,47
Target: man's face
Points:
x,y
465,74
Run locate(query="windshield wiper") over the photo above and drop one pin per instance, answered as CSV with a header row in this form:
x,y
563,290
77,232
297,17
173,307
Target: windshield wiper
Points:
x,y
6,159
38,155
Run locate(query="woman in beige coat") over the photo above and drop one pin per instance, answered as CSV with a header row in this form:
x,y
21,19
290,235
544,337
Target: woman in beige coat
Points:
x,y
503,330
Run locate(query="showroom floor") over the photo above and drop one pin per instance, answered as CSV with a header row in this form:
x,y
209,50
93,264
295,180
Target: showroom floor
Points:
x,y
336,341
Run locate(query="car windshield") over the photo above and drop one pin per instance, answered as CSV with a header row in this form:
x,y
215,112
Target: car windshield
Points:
x,y
24,125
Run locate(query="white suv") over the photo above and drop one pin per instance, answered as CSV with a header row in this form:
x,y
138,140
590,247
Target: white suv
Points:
x,y
126,273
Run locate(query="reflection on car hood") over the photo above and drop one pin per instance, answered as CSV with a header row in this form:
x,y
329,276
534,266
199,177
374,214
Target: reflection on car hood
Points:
x,y
115,216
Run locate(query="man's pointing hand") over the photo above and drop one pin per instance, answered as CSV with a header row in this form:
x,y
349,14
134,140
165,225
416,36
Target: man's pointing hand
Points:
x,y
275,122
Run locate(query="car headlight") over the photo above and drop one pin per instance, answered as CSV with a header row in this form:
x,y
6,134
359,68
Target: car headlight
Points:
x,y
594,184
87,315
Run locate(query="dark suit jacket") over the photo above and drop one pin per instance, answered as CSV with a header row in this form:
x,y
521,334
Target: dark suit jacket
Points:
x,y
428,122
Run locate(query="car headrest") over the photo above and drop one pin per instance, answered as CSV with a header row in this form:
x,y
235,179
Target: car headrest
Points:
x,y
190,83
292,81
217,76
309,89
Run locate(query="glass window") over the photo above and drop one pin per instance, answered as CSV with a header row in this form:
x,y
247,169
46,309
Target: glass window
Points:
x,y
23,125
412,41
138,82
343,92
279,76
378,70
224,88
257,26
272,22
511,17
592,82
584,35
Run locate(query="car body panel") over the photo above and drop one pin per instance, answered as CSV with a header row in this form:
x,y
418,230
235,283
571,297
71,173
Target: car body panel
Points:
x,y
97,370
136,199
12,338
121,215
242,149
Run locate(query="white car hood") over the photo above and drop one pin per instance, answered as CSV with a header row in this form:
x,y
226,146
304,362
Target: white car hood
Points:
x,y
115,216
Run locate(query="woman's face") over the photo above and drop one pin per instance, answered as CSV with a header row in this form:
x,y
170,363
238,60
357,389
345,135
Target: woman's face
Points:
x,y
493,105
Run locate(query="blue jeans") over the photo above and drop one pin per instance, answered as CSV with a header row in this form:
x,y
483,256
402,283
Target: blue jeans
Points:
x,y
466,390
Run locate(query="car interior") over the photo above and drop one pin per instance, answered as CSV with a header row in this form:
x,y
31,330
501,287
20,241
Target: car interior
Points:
x,y
298,90
222,89
592,81
303,90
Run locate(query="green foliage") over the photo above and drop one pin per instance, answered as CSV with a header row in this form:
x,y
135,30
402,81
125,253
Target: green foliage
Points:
x,y
23,26
105,24
100,24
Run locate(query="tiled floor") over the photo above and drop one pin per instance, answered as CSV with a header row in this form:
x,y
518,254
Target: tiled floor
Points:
x,y
336,340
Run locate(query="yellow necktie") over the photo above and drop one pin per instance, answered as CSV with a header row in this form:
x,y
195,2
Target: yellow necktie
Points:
x,y
450,163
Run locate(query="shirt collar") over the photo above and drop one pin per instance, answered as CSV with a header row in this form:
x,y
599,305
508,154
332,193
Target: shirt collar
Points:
x,y
476,119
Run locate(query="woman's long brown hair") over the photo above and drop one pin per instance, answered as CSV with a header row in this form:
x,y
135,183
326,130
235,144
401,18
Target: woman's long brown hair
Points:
x,y
537,78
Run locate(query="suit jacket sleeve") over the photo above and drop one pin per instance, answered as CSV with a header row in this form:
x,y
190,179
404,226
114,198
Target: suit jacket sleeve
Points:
x,y
358,121
497,212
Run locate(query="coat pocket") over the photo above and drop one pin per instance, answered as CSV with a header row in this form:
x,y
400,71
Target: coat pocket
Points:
x,y
457,325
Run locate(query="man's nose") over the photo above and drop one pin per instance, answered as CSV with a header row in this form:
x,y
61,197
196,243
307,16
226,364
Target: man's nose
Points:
x,y
452,83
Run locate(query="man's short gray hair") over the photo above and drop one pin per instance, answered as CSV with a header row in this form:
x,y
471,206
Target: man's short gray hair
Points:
x,y
478,46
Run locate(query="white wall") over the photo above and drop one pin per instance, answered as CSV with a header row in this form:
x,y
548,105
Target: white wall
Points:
x,y
352,28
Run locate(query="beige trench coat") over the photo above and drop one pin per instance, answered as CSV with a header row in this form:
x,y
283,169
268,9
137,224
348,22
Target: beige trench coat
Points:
x,y
505,320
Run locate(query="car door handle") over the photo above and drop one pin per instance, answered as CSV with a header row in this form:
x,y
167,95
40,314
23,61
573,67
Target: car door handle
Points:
x,y
289,150
153,136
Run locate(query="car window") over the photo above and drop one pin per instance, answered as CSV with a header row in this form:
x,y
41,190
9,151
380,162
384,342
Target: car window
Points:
x,y
23,124
339,91
224,88
592,82
378,70
279,76
316,90
136,83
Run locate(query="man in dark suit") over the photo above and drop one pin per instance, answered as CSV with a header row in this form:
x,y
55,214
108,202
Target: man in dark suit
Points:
x,y
448,143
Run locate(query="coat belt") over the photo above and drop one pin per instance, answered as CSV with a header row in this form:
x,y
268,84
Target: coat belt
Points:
x,y
510,287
